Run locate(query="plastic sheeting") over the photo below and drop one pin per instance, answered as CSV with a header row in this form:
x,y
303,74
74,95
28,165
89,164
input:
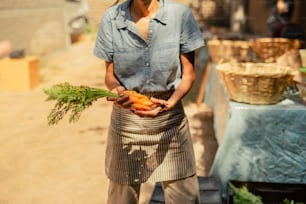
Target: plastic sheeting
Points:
x,y
257,142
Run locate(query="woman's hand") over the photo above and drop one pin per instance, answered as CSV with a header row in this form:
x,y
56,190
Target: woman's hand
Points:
x,y
161,106
151,113
122,100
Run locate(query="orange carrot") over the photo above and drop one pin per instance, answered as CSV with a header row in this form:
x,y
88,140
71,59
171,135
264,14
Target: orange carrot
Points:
x,y
140,101
135,94
146,102
139,106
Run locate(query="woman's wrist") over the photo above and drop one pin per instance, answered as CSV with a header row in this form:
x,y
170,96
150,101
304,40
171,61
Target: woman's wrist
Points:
x,y
118,89
170,104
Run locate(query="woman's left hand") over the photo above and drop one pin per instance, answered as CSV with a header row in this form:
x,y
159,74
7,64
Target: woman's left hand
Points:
x,y
151,113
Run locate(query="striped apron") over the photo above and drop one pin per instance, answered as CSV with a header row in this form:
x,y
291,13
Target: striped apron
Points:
x,y
141,149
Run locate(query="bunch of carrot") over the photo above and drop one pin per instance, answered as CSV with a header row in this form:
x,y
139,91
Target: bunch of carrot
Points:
x,y
75,99
140,101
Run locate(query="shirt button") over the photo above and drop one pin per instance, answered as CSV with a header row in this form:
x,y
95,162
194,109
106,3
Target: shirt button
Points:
x,y
150,31
147,64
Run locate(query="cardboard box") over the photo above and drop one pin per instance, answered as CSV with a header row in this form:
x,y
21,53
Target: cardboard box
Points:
x,y
19,74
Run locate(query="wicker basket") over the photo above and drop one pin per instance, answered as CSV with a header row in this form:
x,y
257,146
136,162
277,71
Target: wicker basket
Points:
x,y
228,50
269,49
255,83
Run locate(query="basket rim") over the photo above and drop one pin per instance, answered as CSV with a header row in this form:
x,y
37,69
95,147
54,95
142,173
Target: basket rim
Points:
x,y
216,41
271,39
286,69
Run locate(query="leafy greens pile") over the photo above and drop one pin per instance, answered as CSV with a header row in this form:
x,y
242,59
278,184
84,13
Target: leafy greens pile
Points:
x,y
244,196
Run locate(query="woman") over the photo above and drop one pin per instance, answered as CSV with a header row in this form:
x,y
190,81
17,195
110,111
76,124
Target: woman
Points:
x,y
280,21
148,46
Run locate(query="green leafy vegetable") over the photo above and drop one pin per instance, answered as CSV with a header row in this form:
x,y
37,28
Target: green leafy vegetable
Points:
x,y
287,201
74,99
244,196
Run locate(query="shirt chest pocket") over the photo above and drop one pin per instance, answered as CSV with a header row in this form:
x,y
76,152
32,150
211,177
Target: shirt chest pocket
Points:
x,y
127,61
168,57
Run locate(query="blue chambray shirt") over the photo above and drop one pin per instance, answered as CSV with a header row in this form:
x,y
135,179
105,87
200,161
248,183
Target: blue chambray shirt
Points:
x,y
150,65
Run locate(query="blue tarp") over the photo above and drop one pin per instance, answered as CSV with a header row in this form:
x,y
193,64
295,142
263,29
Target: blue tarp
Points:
x,y
257,142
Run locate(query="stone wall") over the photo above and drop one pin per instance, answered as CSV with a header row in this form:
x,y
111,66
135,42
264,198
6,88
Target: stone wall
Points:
x,y
30,4
97,7
40,31
39,27
206,12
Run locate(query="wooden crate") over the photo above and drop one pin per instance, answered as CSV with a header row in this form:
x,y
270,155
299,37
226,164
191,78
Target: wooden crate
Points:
x,y
210,191
19,74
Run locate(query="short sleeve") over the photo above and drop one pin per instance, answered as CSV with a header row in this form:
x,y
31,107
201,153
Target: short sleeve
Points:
x,y
191,36
104,42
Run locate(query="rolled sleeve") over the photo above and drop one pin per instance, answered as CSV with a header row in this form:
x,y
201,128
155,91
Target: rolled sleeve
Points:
x,y
191,36
104,42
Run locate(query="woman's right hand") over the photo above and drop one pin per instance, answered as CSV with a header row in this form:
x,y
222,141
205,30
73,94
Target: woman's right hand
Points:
x,y
122,100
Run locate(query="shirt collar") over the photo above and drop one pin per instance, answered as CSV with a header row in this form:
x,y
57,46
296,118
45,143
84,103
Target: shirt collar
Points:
x,y
124,13
161,15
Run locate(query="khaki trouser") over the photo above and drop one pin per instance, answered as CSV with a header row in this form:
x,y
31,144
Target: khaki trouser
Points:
x,y
183,191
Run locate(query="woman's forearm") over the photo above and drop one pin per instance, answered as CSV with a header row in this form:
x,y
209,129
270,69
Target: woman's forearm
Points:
x,y
188,77
111,81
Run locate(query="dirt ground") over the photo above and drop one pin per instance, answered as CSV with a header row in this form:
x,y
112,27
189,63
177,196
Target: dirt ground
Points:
x,y
41,164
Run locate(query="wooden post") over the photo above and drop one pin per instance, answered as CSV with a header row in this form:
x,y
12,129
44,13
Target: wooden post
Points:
x,y
201,93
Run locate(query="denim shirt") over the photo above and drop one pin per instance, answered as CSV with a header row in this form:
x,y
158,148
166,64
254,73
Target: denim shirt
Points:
x,y
152,64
